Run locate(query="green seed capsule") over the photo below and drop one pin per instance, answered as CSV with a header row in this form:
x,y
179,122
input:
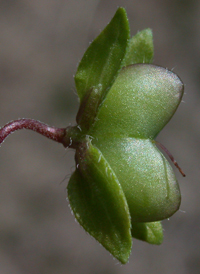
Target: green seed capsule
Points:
x,y
141,101
146,177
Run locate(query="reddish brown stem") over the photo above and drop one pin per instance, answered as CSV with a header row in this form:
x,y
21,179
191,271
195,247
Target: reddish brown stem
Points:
x,y
53,133
171,157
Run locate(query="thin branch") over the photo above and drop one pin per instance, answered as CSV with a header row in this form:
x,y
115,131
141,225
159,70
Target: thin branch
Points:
x,y
53,133
171,157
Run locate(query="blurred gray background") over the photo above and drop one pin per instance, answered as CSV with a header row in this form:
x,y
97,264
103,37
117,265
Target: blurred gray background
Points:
x,y
41,43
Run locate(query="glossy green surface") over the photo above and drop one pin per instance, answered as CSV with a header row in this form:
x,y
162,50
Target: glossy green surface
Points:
x,y
145,175
141,101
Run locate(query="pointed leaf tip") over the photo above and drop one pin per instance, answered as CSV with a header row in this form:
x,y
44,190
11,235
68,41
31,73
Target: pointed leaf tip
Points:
x,y
140,48
102,60
99,204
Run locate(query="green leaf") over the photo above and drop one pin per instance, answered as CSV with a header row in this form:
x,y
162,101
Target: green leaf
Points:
x,y
98,202
140,48
102,59
148,232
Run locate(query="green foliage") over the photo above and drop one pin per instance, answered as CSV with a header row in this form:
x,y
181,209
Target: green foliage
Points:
x,y
123,186
140,49
98,201
102,59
